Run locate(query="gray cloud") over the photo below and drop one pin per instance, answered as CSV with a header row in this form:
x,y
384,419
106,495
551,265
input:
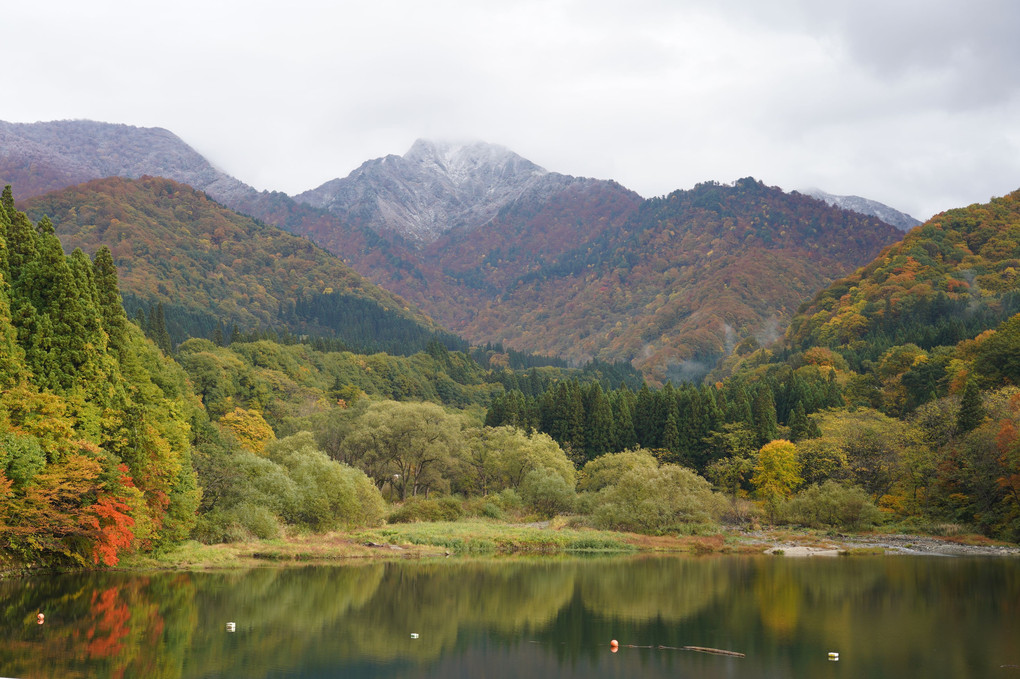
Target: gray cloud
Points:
x,y
910,103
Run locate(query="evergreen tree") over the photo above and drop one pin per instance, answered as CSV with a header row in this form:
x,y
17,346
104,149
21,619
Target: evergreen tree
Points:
x,y
599,436
155,328
763,415
644,418
623,420
972,411
108,298
576,435
833,393
671,437
739,407
800,428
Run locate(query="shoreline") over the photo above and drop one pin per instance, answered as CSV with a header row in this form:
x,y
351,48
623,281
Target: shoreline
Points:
x,y
468,539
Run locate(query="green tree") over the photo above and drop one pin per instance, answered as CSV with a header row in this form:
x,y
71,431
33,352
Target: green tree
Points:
x,y
972,411
763,414
598,429
657,500
414,447
998,357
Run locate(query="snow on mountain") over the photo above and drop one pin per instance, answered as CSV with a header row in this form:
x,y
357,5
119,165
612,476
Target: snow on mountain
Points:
x,y
434,187
864,206
40,157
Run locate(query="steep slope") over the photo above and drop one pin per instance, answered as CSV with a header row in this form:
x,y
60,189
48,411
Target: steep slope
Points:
x,y
37,158
208,265
685,276
948,280
434,187
865,206
498,249
40,157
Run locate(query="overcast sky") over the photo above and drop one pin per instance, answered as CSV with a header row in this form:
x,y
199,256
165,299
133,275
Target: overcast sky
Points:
x,y
912,103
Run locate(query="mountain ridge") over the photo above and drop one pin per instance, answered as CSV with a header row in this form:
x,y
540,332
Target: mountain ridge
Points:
x,y
175,247
434,187
866,206
490,227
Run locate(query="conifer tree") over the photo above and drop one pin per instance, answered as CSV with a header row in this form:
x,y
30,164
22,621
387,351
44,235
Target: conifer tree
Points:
x,y
799,425
576,434
764,415
833,393
623,417
739,407
671,437
598,422
972,411
108,299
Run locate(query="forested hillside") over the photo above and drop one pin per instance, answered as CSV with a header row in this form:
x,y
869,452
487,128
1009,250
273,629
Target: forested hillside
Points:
x,y
924,344
500,242
947,281
208,268
95,426
684,278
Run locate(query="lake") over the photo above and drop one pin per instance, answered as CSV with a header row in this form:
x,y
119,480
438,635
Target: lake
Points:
x,y
886,616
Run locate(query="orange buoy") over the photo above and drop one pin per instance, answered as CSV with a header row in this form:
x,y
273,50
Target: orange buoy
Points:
x,y
40,618
614,644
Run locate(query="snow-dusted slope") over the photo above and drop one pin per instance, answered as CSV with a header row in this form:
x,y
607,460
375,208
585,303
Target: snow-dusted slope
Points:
x,y
864,206
434,187
41,157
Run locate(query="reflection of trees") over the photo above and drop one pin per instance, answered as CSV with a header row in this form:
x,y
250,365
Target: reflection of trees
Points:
x,y
97,625
781,611
280,613
439,600
670,589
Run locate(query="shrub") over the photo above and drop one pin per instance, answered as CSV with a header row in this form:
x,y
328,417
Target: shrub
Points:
x,y
418,508
606,470
833,505
547,493
658,500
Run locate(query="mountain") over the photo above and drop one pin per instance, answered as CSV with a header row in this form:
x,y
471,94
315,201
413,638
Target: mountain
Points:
x,y
900,220
946,281
210,267
500,250
37,158
435,187
682,278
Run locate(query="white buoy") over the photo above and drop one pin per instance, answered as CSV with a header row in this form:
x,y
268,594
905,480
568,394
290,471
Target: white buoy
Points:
x,y
231,626
833,655
414,635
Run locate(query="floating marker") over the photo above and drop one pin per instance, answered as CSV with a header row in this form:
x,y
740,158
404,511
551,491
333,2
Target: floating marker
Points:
x,y
614,644
40,619
414,635
231,626
833,656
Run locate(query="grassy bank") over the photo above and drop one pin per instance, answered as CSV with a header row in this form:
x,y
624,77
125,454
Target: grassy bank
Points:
x,y
467,537
486,537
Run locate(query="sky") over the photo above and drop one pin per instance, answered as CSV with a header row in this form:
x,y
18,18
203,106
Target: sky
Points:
x,y
914,103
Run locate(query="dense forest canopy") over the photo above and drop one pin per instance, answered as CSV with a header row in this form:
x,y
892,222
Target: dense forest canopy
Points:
x,y
893,398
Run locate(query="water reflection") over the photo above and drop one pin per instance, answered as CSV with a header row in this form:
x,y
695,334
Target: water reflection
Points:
x,y
887,616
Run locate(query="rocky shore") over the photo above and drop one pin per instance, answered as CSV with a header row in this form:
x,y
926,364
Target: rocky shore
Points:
x,y
815,545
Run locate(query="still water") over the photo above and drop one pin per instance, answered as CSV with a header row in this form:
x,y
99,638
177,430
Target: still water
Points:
x,y
885,616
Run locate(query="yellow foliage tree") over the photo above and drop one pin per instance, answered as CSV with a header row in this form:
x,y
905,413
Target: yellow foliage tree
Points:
x,y
250,428
776,474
